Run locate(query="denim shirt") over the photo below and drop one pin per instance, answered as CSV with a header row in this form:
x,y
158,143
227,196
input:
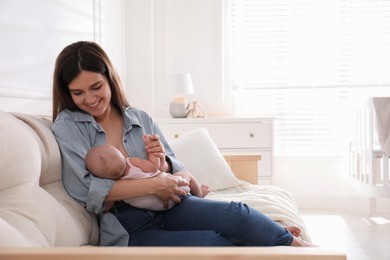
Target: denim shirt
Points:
x,y
76,132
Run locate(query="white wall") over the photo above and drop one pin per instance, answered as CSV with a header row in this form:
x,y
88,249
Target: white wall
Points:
x,y
34,32
173,36
139,54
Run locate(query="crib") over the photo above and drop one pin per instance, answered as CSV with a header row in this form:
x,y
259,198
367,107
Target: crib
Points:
x,y
370,149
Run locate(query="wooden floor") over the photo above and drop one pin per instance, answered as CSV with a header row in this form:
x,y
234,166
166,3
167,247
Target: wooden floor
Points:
x,y
360,235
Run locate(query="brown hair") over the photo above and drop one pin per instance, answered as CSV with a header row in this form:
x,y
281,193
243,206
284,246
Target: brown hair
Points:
x,y
74,58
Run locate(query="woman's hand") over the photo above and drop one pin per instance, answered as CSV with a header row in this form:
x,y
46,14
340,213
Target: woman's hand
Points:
x,y
154,145
169,188
184,174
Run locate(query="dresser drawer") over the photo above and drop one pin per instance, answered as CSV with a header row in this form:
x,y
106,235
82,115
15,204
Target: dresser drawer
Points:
x,y
252,135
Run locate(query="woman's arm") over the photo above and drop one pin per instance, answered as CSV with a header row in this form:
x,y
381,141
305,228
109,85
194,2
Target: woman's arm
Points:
x,y
74,139
164,186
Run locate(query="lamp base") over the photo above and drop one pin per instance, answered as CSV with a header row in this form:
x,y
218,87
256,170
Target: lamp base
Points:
x,y
178,107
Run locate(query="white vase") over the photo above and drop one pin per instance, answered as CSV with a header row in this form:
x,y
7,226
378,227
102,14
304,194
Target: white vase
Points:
x,y
178,108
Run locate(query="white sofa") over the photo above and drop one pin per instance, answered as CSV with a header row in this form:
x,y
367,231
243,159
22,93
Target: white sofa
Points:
x,y
38,219
35,209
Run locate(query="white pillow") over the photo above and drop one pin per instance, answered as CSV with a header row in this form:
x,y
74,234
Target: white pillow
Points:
x,y
201,157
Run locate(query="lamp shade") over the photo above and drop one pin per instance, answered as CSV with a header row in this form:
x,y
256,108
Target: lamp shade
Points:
x,y
182,84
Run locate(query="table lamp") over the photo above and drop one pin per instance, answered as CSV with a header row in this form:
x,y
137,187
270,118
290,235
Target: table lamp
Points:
x,y
181,86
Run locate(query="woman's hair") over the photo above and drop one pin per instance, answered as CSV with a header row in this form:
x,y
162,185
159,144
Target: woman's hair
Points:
x,y
74,58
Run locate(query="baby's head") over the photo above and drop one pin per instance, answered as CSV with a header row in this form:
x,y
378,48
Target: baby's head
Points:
x,y
105,161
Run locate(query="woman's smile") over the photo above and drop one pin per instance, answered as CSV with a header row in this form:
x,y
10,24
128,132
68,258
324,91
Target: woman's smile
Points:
x,y
91,93
94,105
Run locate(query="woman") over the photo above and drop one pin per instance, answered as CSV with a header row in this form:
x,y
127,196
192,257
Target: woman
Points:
x,y
89,109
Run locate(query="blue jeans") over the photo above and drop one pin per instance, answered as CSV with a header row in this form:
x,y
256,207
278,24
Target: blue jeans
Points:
x,y
200,222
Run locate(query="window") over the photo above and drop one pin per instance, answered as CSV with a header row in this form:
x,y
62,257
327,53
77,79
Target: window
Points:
x,y
33,33
307,62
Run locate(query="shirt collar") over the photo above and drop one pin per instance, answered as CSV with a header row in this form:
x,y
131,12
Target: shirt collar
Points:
x,y
80,116
130,120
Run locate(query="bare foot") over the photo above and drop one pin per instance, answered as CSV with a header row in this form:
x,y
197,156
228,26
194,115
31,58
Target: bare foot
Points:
x,y
297,240
205,190
296,231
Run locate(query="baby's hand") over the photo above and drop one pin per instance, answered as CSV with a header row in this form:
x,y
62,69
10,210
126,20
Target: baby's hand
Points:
x,y
147,139
154,146
160,155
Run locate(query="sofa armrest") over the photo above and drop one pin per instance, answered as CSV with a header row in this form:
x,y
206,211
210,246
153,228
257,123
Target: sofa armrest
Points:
x,y
171,253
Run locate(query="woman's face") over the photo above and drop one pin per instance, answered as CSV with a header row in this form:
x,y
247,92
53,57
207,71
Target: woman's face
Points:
x,y
91,93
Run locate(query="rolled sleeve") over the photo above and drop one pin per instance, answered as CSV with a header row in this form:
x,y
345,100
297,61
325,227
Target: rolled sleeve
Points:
x,y
98,191
175,163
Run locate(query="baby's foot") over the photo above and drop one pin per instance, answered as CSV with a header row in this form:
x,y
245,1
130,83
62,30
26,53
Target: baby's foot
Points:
x,y
205,190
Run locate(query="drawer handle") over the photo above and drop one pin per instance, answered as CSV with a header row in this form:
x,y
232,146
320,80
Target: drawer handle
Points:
x,y
251,135
176,135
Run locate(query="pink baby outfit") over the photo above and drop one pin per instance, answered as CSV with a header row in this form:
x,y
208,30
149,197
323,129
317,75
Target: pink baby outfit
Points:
x,y
149,202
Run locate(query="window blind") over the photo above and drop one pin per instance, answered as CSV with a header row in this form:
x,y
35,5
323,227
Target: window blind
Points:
x,y
307,62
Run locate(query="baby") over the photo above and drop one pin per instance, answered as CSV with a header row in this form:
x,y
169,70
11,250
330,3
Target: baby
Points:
x,y
108,162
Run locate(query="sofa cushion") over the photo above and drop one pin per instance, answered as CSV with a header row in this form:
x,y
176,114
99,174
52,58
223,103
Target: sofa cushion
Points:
x,y
19,154
49,151
34,215
13,237
201,157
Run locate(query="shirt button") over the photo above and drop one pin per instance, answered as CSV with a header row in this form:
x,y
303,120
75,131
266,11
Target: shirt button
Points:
x,y
125,141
